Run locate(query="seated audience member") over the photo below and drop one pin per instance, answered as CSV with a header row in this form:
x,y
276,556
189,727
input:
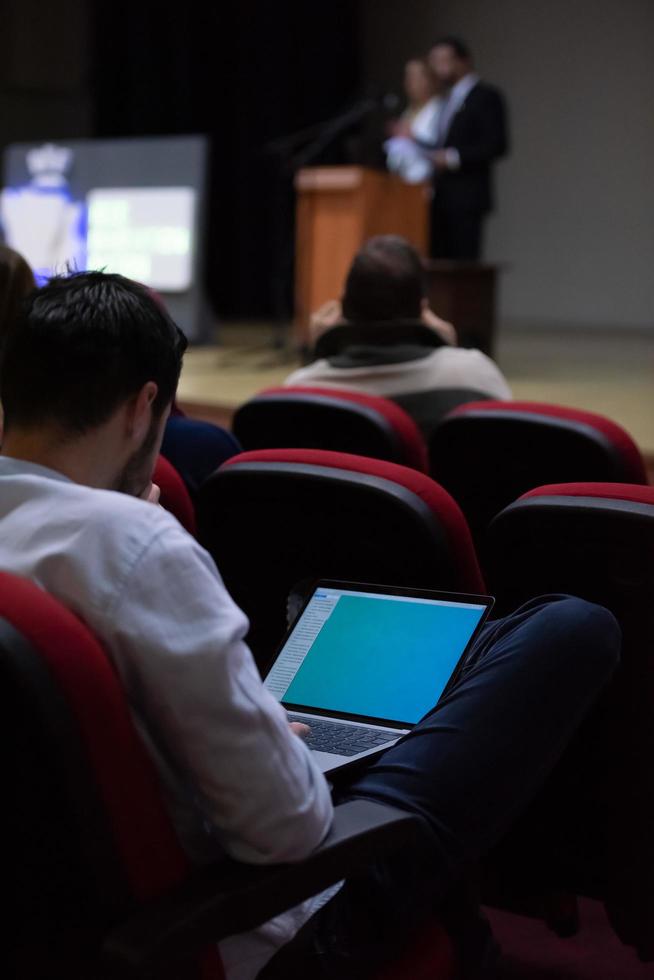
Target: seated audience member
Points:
x,y
75,478
386,284
196,448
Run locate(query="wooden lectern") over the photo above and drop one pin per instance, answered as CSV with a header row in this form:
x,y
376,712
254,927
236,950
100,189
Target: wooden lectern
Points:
x,y
338,208
465,293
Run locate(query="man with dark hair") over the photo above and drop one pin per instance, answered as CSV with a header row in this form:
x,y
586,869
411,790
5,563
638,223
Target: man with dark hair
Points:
x,y
471,134
386,281
386,284
88,377
102,342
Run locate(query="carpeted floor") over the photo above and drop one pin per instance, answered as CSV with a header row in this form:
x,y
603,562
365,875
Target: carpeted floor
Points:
x,y
532,952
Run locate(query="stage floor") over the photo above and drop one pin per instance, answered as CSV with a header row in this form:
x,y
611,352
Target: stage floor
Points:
x,y
605,371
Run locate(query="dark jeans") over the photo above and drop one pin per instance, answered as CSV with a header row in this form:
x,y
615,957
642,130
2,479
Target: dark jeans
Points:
x,y
456,234
468,768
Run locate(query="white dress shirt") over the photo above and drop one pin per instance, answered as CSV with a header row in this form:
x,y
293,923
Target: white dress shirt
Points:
x,y
444,367
451,105
236,779
408,159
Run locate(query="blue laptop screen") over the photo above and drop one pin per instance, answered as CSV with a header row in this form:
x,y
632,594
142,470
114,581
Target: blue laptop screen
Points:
x,y
363,653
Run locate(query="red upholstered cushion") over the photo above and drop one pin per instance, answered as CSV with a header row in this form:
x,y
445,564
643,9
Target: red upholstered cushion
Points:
x,y
609,491
145,839
436,498
151,856
616,435
415,449
431,956
174,495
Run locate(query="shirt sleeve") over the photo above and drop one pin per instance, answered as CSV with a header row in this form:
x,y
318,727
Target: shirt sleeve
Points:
x,y
485,375
463,367
177,640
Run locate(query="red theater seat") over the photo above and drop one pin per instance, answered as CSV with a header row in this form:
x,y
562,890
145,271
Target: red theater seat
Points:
x,y
98,882
429,408
596,540
332,419
174,494
274,518
488,453
91,840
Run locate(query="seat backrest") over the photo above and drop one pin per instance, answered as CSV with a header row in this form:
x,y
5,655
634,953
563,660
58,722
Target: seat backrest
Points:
x,y
174,495
385,333
429,408
332,419
274,518
597,541
196,448
487,454
89,836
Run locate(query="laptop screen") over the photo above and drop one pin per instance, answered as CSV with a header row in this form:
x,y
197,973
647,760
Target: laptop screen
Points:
x,y
371,654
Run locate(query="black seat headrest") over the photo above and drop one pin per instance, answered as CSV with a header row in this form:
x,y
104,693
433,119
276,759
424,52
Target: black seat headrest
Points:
x,y
381,334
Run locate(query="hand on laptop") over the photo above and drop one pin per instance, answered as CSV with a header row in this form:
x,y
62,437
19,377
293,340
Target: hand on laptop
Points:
x,y
299,729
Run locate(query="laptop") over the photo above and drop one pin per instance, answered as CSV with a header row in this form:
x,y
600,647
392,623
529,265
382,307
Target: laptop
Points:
x,y
362,664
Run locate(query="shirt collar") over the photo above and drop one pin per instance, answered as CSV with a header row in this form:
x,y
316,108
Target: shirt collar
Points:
x,y
9,466
463,87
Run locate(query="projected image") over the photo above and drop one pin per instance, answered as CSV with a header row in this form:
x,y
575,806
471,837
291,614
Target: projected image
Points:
x,y
42,219
131,206
143,233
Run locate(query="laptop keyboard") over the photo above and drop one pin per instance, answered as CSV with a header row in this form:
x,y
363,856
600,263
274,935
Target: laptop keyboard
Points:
x,y
330,736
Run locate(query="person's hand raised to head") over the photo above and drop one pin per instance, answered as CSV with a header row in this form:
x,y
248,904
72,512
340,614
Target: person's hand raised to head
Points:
x,y
326,316
443,328
151,494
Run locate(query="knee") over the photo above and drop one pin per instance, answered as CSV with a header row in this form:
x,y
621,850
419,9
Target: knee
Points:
x,y
586,633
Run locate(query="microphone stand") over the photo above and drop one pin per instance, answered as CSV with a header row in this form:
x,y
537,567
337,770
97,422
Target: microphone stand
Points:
x,y
294,151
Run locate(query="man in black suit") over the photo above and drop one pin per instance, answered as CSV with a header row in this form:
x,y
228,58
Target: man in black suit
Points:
x,y
471,134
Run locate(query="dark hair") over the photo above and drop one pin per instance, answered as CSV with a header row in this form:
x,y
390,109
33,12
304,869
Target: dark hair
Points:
x,y
80,346
16,281
419,59
386,281
460,48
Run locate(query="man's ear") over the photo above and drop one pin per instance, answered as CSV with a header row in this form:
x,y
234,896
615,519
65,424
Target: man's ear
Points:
x,y
139,411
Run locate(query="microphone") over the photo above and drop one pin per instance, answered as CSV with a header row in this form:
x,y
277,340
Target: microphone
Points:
x,y
388,102
391,102
374,98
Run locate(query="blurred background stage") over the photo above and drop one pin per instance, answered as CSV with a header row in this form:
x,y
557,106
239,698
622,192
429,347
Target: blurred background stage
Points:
x,y
141,99
573,231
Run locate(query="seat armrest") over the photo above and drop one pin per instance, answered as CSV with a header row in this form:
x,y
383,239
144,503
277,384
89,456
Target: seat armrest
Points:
x,y
231,897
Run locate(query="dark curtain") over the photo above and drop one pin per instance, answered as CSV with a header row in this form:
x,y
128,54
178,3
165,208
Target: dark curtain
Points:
x,y
243,73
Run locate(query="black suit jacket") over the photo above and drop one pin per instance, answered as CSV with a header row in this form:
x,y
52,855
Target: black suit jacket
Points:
x,y
479,132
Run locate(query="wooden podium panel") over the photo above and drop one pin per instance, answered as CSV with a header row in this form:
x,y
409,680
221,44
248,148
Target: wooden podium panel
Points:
x,y
465,293
338,208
